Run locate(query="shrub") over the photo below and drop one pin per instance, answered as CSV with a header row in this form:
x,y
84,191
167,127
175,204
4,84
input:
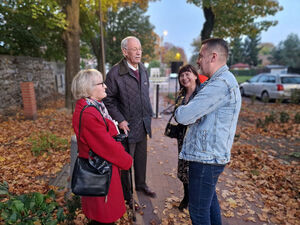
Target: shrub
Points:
x,y
295,96
46,141
297,118
72,205
284,117
32,208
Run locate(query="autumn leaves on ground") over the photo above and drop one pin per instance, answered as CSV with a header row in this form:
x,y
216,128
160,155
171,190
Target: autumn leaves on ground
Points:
x,y
261,184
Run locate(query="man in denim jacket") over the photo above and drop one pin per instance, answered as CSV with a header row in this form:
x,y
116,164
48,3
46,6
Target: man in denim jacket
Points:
x,y
212,117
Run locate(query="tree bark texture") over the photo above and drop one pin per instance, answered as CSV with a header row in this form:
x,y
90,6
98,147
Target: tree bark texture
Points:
x,y
71,38
208,25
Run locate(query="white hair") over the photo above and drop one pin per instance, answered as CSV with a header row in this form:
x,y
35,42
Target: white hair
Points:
x,y
83,83
124,42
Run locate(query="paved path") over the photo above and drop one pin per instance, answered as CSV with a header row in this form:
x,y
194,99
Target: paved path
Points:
x,y
161,178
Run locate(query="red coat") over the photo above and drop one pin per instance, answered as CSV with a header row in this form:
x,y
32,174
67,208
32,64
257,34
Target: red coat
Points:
x,y
94,135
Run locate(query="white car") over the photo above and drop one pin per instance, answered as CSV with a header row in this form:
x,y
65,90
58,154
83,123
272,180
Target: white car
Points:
x,y
268,86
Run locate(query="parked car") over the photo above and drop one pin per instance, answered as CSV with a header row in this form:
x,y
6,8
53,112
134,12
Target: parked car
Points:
x,y
268,86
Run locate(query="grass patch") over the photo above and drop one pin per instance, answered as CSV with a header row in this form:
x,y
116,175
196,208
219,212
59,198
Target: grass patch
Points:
x,y
241,79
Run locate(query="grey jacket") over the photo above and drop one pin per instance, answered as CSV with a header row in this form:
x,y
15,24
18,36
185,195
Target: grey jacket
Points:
x,y
127,99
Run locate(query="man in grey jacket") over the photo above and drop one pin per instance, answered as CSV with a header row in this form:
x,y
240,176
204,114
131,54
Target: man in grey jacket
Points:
x,y
212,117
128,103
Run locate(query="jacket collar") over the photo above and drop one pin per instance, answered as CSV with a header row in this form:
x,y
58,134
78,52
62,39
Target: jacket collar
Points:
x,y
221,70
124,69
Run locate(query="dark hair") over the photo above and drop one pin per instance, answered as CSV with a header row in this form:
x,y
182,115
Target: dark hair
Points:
x,y
189,68
213,43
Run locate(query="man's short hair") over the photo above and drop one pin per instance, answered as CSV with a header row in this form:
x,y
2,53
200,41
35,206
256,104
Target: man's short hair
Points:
x,y
218,44
124,42
83,83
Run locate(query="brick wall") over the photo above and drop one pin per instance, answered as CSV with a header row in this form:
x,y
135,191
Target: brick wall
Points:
x,y
47,77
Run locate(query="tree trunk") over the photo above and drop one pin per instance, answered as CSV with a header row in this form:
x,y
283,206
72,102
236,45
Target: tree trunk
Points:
x,y
208,25
71,37
97,50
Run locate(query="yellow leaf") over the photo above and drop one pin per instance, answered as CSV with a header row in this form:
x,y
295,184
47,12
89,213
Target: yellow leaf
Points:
x,y
228,214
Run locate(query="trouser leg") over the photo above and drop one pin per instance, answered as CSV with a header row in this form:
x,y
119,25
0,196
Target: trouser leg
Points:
x,y
139,150
125,177
203,201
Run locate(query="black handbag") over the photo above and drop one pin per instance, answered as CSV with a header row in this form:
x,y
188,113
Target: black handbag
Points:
x,y
91,177
171,129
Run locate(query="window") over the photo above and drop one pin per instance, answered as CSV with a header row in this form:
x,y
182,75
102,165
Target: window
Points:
x,y
290,80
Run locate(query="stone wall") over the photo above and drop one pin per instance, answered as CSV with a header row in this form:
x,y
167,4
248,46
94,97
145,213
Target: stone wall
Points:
x,y
48,79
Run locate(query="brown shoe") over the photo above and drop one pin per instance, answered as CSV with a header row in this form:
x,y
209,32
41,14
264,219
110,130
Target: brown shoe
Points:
x,y
147,191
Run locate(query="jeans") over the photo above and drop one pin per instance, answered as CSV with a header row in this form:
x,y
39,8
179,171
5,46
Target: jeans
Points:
x,y
203,205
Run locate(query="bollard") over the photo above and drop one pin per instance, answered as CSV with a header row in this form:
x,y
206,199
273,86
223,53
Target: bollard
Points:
x,y
74,150
157,101
29,102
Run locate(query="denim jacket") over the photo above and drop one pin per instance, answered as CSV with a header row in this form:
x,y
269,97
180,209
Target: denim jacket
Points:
x,y
211,117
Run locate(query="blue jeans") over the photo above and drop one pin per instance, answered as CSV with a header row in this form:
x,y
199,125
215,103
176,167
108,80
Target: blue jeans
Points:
x,y
203,205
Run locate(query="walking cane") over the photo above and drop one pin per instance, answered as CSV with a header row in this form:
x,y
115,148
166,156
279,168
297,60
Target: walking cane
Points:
x,y
132,198
130,179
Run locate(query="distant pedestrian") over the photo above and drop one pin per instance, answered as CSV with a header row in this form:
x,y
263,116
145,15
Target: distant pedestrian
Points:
x,y
211,117
88,89
128,103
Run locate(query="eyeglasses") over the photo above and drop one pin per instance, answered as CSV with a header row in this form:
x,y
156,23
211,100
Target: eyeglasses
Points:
x,y
134,49
102,84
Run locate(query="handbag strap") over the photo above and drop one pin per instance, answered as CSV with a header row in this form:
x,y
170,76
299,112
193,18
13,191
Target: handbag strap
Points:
x,y
93,155
173,113
81,116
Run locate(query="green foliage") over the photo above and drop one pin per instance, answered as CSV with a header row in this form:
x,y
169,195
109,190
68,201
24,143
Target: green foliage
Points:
x,y
45,142
295,96
268,119
295,154
128,21
240,17
72,205
284,117
120,21
3,188
241,79
287,52
237,51
251,50
245,52
32,28
297,118
32,208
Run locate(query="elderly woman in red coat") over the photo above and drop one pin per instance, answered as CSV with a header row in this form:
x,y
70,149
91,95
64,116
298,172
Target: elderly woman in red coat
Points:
x,y
88,88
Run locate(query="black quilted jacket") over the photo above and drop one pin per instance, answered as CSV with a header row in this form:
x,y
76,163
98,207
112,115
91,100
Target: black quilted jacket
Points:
x,y
127,99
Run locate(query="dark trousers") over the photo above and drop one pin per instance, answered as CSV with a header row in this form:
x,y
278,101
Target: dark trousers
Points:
x,y
138,151
203,205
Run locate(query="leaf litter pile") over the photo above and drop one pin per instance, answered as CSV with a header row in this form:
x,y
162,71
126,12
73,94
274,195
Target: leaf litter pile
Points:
x,y
261,184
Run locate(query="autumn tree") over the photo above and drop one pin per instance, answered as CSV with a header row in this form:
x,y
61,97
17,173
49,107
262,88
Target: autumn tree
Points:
x,y
32,28
287,52
173,53
71,38
236,51
120,20
251,50
232,18
128,21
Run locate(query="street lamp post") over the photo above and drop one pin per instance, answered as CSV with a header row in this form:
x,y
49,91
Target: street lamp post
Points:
x,y
156,90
